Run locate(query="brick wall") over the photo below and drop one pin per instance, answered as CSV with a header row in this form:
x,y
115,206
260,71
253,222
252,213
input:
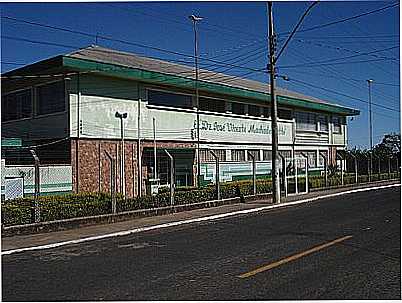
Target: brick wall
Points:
x,y
93,169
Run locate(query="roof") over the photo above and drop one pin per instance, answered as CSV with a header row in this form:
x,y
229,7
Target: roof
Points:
x,y
124,64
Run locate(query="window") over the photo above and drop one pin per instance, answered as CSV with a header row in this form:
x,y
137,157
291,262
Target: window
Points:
x,y
267,155
212,105
305,121
321,156
206,156
169,99
284,114
266,112
255,153
238,155
323,119
17,105
238,108
337,125
285,153
254,110
312,158
50,98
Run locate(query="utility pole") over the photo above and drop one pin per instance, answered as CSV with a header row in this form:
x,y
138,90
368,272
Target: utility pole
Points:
x,y
369,81
122,153
276,190
195,19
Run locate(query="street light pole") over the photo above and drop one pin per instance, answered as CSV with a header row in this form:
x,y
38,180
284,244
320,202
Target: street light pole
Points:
x,y
122,154
195,19
369,81
276,190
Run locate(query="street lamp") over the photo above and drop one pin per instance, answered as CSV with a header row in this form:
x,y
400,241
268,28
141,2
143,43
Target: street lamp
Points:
x,y
369,81
122,174
196,19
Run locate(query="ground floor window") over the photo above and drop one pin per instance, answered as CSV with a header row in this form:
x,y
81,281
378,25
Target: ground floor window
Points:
x,y
255,153
238,155
206,156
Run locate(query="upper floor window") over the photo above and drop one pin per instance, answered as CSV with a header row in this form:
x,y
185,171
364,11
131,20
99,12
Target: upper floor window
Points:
x,y
284,114
238,108
17,105
254,110
337,122
305,121
156,97
50,98
266,112
212,105
323,120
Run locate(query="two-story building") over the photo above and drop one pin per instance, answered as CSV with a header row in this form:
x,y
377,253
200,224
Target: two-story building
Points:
x,y
66,106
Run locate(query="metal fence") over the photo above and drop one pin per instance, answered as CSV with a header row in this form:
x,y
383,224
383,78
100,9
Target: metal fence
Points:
x,y
54,179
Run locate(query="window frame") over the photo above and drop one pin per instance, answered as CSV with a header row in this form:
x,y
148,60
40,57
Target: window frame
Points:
x,y
339,119
66,107
32,114
296,113
147,89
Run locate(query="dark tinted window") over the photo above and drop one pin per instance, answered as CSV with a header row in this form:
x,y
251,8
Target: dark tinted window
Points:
x,y
212,105
254,110
169,99
284,114
266,111
238,108
50,98
17,105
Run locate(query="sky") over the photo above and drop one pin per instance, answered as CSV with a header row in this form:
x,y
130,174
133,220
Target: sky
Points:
x,y
330,62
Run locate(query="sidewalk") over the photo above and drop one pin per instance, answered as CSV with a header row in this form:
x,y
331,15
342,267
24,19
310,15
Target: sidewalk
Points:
x,y
23,241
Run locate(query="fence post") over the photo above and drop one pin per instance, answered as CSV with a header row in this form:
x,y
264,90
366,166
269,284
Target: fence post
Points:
x,y
112,181
368,168
305,156
171,178
217,185
356,173
254,173
325,169
37,186
389,167
284,174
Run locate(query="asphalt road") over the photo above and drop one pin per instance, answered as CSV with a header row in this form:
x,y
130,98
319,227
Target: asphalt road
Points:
x,y
346,247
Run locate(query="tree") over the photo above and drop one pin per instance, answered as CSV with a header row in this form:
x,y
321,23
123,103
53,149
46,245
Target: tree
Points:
x,y
389,146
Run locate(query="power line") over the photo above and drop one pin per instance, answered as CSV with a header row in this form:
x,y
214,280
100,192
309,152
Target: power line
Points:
x,y
343,58
330,71
339,48
350,37
344,95
337,63
345,19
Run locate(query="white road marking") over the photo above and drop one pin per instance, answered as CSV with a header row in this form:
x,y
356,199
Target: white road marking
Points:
x,y
165,225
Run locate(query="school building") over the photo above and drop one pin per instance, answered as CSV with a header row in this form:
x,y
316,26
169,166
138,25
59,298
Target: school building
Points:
x,y
75,109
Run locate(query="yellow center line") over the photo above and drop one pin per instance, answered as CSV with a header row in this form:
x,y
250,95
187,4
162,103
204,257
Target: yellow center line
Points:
x,y
292,258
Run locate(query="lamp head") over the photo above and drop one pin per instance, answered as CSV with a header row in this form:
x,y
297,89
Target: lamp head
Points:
x,y
195,18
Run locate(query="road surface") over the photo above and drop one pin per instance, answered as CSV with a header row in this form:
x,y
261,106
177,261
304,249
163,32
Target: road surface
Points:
x,y
345,247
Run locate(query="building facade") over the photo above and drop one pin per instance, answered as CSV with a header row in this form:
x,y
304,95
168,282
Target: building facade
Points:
x,y
66,106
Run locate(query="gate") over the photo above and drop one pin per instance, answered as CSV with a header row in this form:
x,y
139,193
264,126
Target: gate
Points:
x,y
296,176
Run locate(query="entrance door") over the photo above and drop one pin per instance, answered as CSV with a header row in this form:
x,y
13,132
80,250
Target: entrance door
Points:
x,y
296,176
